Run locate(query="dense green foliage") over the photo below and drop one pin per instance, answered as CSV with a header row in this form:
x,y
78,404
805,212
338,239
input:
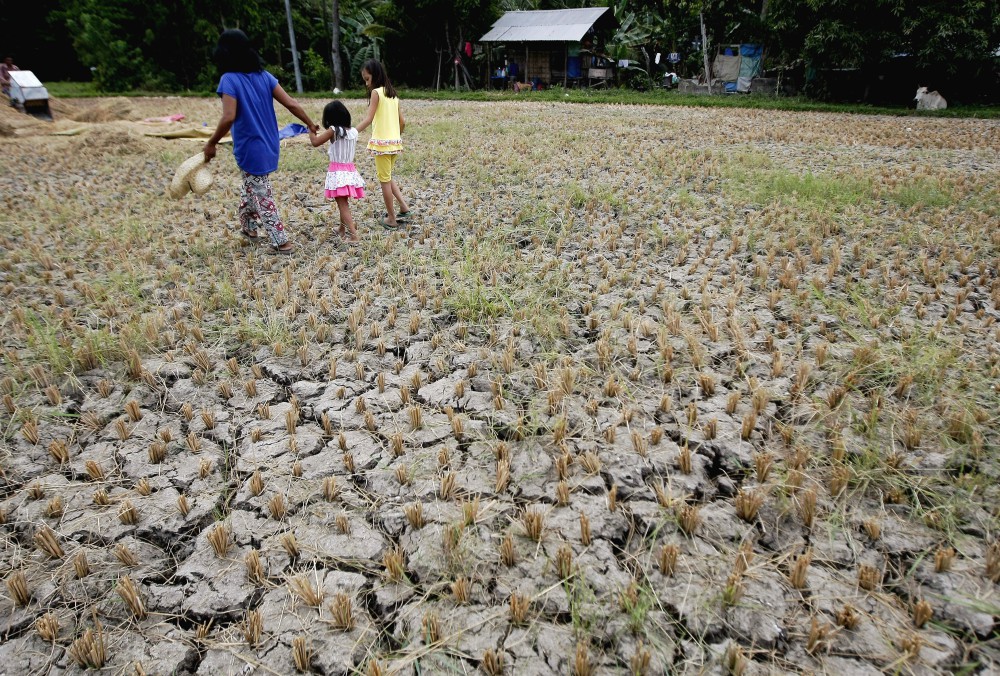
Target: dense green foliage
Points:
x,y
879,44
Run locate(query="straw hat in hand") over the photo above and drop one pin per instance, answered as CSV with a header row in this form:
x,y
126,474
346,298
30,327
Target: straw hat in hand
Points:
x,y
193,175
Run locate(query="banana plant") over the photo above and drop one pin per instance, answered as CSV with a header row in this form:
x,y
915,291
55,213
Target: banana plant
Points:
x,y
362,38
628,39
630,34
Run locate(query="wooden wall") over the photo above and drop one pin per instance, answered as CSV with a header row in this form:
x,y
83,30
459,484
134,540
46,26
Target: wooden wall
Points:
x,y
538,63
546,60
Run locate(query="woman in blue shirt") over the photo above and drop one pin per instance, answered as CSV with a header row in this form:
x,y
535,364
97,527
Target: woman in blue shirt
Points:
x,y
247,91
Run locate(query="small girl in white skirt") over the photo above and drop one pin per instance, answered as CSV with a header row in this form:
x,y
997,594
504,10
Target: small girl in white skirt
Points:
x,y
343,181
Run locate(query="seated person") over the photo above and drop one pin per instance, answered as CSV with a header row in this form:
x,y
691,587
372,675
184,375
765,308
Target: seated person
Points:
x,y
5,68
513,71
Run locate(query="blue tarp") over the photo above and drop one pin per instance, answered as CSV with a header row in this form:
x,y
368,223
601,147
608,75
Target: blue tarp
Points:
x,y
574,66
293,129
750,59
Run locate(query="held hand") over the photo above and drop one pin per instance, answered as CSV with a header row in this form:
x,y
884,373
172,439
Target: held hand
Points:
x,y
209,151
313,128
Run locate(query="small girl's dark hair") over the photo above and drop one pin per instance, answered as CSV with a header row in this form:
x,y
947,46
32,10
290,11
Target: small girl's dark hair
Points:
x,y
233,53
379,78
336,115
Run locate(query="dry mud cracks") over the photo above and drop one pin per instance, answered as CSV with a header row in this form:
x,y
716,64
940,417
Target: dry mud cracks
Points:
x,y
640,390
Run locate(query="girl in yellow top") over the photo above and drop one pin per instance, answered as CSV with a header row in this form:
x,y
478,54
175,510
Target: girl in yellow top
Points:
x,y
386,120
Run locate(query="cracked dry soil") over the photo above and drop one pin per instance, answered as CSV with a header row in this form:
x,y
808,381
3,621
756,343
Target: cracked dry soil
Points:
x,y
640,390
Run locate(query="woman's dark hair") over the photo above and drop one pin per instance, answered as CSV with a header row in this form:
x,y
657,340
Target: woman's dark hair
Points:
x,y
336,115
234,54
379,78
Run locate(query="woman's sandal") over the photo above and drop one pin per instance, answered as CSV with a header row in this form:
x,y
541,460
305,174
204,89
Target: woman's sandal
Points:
x,y
389,226
282,252
251,235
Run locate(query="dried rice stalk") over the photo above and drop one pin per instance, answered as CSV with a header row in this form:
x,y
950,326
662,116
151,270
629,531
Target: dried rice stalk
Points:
x,y
46,540
301,587
89,650
130,595
17,587
47,627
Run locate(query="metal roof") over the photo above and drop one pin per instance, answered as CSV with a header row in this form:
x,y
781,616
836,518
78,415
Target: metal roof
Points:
x,y
546,25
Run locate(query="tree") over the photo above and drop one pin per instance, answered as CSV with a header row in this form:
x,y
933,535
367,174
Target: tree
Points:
x,y
725,21
338,65
294,48
941,39
134,44
168,45
104,42
958,34
363,38
420,29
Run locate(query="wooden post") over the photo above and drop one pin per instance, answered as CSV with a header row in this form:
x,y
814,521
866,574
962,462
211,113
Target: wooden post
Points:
x,y
455,57
565,65
437,82
526,62
704,52
451,53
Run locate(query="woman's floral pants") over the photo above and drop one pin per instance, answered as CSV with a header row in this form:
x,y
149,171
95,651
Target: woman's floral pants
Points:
x,y
257,207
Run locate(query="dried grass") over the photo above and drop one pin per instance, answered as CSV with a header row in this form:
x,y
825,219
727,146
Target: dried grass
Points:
x,y
301,587
47,627
127,513
798,573
129,593
431,625
125,556
342,617
17,587
393,562
533,522
806,338
290,545
492,662
748,503
252,627
508,555
219,538
81,567
89,650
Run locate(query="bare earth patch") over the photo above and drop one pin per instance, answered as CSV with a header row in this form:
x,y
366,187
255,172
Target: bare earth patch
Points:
x,y
639,390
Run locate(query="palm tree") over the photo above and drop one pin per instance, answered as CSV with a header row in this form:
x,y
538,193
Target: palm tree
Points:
x,y
338,66
295,53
